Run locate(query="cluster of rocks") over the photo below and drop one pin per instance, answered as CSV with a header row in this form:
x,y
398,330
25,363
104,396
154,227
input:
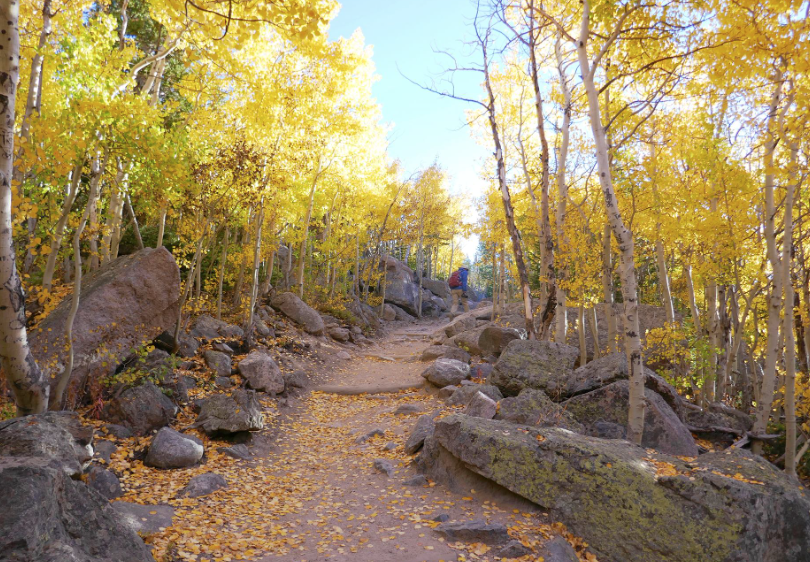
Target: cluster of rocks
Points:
x,y
541,429
402,292
48,513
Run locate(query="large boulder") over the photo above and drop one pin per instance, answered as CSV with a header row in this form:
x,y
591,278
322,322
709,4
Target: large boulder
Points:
x,y
261,373
718,415
128,301
400,288
171,449
461,324
140,409
222,414
536,364
299,312
55,439
208,327
46,513
469,340
632,505
533,407
218,362
439,288
494,339
446,352
613,367
446,372
663,430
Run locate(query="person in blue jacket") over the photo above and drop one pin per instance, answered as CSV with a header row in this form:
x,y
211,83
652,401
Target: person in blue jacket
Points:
x,y
458,289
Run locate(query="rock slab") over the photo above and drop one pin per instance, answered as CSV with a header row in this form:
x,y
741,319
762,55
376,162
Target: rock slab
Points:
x,y
299,312
632,505
128,301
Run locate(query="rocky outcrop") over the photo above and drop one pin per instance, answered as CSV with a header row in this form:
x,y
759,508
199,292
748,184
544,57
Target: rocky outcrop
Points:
x,y
632,505
262,373
222,414
663,430
54,439
542,365
299,312
611,368
46,513
140,409
124,303
439,288
446,372
400,288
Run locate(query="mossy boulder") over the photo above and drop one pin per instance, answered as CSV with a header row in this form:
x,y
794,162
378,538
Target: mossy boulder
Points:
x,y
542,365
533,407
663,430
613,367
632,505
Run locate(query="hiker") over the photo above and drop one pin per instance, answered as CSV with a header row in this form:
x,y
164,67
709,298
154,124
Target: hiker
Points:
x,y
458,289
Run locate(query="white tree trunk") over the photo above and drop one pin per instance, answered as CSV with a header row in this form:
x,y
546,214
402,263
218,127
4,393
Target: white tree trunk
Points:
x,y
24,378
223,260
765,401
561,313
624,238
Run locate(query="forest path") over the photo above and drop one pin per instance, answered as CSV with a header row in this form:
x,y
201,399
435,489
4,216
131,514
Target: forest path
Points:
x,y
316,494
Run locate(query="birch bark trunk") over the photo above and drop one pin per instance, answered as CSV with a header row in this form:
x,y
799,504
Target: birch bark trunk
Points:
x,y
624,238
506,198
24,377
765,401
561,313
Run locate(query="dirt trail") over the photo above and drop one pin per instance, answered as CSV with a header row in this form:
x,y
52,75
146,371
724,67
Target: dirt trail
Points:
x,y
316,495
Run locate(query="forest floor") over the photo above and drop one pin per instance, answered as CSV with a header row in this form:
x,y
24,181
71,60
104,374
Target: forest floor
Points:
x,y
312,492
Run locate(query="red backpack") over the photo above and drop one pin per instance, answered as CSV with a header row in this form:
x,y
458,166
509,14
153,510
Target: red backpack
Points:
x,y
455,280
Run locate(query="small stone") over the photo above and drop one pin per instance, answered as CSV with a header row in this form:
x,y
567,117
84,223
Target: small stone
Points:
x,y
204,484
441,518
222,347
418,480
407,409
373,433
474,531
296,379
390,446
384,466
239,452
344,355
515,549
144,519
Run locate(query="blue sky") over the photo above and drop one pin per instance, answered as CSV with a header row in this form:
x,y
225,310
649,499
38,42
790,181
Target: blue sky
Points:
x,y
404,35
